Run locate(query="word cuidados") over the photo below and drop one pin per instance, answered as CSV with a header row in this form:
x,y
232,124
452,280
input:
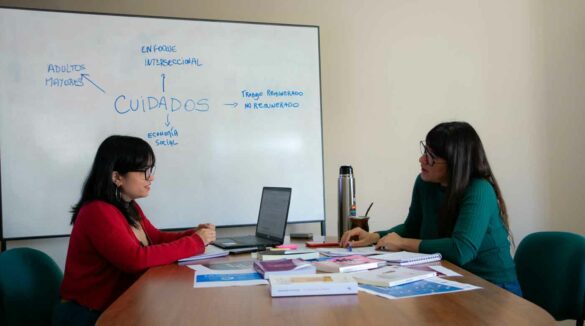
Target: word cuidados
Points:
x,y
124,105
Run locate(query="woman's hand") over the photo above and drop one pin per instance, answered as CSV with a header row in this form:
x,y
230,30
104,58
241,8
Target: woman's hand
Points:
x,y
206,234
390,242
364,238
394,242
205,226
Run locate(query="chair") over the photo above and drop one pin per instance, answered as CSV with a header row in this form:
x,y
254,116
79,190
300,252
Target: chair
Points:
x,y
551,273
29,287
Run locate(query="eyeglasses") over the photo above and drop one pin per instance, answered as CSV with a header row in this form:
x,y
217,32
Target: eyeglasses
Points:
x,y
148,172
429,156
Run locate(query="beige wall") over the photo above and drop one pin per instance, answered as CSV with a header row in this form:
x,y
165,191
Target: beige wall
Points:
x,y
392,69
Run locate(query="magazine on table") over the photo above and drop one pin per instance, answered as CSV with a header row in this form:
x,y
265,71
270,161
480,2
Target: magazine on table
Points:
x,y
284,267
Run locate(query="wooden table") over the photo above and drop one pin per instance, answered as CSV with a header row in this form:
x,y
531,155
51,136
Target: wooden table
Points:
x,y
165,296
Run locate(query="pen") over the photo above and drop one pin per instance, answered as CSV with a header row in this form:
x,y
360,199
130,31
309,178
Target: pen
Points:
x,y
349,247
368,210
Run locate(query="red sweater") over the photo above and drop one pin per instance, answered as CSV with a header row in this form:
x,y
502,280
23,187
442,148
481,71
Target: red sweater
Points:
x,y
105,257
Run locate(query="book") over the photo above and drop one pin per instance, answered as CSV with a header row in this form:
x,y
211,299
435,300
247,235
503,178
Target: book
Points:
x,y
318,284
288,254
348,264
391,276
210,252
284,267
405,258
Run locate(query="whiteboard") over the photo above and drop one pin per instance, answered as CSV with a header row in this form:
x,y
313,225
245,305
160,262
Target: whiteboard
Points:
x,y
227,107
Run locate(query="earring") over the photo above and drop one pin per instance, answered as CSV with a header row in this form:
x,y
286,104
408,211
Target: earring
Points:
x,y
117,194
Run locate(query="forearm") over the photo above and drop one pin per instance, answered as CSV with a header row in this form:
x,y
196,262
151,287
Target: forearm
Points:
x,y
457,251
166,236
399,229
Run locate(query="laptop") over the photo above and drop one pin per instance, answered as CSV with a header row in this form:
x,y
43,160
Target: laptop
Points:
x,y
271,223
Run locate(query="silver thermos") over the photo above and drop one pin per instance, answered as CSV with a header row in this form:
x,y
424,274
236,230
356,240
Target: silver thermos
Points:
x,y
347,204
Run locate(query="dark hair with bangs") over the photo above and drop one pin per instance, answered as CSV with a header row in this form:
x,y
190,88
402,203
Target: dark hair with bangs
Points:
x,y
116,153
459,144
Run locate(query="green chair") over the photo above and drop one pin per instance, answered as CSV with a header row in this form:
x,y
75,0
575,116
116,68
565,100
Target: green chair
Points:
x,y
551,273
29,287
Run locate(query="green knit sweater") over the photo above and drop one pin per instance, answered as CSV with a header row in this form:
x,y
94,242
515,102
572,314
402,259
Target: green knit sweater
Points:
x,y
479,242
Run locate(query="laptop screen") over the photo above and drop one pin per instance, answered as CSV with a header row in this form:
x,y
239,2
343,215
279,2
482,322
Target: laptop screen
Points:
x,y
273,213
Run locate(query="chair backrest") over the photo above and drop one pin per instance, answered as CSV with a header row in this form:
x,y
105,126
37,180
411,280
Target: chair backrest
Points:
x,y
551,272
29,287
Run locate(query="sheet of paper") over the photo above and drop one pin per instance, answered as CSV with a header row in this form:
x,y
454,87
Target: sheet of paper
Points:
x,y
341,252
230,265
206,278
430,286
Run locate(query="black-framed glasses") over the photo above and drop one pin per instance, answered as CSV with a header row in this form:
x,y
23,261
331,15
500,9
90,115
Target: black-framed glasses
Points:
x,y
148,172
429,156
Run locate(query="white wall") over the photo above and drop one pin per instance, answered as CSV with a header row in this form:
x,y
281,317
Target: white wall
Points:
x,y
393,69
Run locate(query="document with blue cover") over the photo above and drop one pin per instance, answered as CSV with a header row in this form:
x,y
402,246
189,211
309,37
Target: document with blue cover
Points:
x,y
429,286
205,277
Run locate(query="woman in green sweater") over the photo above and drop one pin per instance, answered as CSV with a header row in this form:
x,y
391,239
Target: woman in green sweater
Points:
x,y
457,209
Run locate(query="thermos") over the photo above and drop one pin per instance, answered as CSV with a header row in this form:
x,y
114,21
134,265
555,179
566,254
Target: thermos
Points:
x,y
347,204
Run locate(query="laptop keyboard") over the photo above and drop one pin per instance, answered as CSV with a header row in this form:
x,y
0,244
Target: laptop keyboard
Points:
x,y
254,240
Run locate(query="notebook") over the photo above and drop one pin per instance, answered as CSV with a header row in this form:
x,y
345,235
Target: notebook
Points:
x,y
406,258
271,224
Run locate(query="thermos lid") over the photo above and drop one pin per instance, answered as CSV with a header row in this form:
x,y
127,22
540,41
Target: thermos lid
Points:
x,y
346,169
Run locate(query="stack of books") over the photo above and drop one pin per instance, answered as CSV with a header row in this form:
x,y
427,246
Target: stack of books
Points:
x,y
284,267
318,284
348,264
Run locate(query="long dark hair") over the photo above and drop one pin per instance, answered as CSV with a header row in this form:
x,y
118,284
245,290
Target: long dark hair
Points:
x,y
459,144
116,153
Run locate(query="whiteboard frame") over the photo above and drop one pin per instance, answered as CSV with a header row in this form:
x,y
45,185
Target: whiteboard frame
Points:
x,y
3,240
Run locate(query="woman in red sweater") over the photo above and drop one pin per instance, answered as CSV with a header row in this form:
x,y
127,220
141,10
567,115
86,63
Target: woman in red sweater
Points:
x,y
112,242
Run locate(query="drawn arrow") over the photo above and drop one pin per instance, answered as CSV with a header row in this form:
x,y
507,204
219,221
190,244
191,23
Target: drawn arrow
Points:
x,y
94,84
168,121
233,105
163,82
